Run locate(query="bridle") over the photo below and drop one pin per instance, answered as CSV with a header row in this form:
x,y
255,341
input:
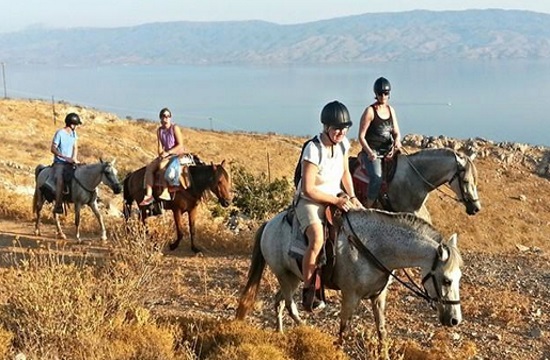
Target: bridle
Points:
x,y
460,169
103,172
421,292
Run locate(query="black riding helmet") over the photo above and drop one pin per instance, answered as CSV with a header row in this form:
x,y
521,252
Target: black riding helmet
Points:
x,y
72,119
381,85
336,114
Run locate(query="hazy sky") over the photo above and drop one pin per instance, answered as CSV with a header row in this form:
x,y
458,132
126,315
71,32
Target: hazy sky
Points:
x,y
19,14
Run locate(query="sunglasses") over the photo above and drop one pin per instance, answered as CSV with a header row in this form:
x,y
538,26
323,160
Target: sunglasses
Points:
x,y
166,116
384,93
341,129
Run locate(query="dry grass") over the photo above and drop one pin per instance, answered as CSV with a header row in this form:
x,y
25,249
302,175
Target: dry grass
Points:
x,y
126,299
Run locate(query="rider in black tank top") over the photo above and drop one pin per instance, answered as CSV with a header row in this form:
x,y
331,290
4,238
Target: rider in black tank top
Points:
x,y
380,133
378,137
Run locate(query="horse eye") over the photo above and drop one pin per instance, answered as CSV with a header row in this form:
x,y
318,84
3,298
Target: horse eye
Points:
x,y
447,282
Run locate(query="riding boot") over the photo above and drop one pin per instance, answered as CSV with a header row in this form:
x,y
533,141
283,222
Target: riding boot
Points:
x,y
312,295
310,301
58,209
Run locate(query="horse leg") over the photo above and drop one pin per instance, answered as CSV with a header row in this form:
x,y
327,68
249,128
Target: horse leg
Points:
x,y
289,283
58,226
179,228
38,204
349,303
99,218
378,304
77,208
192,215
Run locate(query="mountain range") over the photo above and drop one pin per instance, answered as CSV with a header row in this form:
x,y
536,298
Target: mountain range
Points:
x,y
401,36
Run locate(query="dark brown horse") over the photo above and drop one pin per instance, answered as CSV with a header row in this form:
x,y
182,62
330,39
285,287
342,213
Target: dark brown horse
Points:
x,y
215,178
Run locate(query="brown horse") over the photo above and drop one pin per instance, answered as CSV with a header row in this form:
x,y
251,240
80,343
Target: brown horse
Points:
x,y
215,178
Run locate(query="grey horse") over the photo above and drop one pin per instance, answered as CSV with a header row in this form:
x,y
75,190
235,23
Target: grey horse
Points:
x,y
393,240
83,190
416,175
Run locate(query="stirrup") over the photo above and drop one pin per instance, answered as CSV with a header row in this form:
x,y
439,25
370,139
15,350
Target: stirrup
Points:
x,y
310,302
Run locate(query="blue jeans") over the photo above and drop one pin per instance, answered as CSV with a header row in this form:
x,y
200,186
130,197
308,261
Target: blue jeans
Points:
x,y
374,169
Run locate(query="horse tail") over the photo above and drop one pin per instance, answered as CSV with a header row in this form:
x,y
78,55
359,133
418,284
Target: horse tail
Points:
x,y
127,197
257,266
37,171
35,201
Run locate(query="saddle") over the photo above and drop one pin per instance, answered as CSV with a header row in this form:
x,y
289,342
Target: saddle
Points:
x,y
176,176
360,179
48,189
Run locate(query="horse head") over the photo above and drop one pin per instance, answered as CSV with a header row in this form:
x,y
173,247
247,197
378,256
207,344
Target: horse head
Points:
x,y
464,184
442,282
110,176
221,185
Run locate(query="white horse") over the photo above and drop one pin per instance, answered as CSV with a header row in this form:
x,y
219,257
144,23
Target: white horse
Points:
x,y
83,191
370,244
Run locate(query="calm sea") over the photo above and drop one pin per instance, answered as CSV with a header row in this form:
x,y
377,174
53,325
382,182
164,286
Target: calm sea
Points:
x,y
496,100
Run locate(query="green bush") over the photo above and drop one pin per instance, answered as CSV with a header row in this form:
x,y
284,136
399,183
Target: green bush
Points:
x,y
258,198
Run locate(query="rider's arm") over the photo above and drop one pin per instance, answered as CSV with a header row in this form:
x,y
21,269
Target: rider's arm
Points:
x,y
396,133
160,149
178,149
75,151
55,148
347,182
309,188
366,120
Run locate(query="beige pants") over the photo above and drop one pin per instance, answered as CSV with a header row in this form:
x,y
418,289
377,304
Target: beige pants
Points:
x,y
309,213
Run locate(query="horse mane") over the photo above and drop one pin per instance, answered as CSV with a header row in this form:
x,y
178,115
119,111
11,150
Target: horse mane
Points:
x,y
410,221
422,227
433,151
471,171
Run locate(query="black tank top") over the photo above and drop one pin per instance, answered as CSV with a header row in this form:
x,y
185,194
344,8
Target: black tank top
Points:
x,y
379,134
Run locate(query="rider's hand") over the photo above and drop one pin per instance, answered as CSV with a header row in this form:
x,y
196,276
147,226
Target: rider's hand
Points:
x,y
397,144
356,203
344,203
372,155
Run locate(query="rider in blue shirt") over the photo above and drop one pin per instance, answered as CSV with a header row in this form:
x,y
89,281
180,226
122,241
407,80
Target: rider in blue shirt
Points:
x,y
65,150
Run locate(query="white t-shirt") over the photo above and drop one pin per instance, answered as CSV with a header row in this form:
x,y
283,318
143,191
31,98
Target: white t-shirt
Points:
x,y
330,165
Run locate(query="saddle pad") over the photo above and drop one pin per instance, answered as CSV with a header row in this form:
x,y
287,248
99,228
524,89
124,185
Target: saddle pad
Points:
x,y
298,244
361,174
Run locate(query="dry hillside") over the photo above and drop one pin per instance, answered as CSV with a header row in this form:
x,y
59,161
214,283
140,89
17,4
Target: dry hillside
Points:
x,y
505,247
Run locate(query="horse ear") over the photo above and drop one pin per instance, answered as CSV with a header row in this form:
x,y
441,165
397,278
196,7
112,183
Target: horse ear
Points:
x,y
443,253
101,160
223,163
453,240
113,162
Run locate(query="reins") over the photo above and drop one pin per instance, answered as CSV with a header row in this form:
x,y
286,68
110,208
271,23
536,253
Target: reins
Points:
x,y
432,186
85,187
412,285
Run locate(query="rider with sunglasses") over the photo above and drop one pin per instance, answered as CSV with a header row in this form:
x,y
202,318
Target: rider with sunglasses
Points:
x,y
379,137
169,144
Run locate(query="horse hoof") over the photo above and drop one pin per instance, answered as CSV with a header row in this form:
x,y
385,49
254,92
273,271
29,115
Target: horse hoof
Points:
x,y
196,250
37,232
62,236
173,246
